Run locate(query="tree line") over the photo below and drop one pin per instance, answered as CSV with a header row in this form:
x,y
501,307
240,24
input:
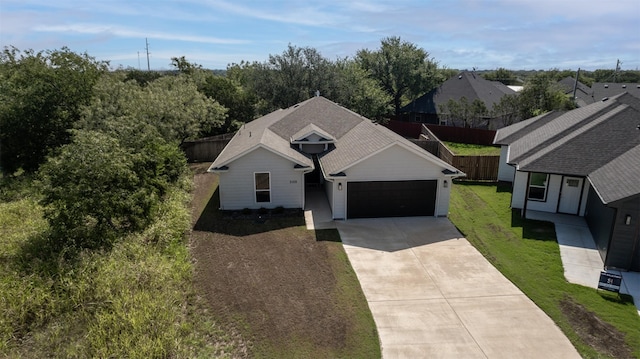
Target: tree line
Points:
x,y
106,143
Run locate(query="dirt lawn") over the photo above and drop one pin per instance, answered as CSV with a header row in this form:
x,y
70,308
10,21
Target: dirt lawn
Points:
x,y
290,292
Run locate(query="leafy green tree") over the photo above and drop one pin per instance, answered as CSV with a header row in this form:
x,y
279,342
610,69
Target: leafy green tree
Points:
x,y
142,77
507,110
184,66
41,95
94,192
289,78
359,92
471,114
402,69
171,107
616,76
541,94
240,103
503,75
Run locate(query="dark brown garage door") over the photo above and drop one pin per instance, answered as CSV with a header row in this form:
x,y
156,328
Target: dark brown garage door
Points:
x,y
391,199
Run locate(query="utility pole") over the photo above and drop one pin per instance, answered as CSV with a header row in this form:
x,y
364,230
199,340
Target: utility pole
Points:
x,y
615,74
139,60
575,85
147,42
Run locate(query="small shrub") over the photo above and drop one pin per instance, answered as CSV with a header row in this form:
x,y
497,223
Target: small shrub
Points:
x,y
263,211
246,211
278,210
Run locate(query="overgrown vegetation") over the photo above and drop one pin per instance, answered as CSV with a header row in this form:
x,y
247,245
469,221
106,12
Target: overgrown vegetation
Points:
x,y
135,300
92,218
527,253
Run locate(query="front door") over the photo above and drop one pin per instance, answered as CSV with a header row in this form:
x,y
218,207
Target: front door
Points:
x,y
570,195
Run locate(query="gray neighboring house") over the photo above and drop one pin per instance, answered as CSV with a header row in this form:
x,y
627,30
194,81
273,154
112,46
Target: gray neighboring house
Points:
x,y
467,84
365,169
600,90
584,162
583,93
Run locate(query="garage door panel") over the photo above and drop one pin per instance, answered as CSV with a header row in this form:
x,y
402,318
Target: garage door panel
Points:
x,y
391,198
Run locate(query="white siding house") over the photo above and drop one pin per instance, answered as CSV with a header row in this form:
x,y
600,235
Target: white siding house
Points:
x,y
237,184
365,169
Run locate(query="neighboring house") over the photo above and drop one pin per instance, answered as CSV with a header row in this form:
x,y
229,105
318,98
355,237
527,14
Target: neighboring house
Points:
x,y
583,93
365,169
584,162
602,90
428,107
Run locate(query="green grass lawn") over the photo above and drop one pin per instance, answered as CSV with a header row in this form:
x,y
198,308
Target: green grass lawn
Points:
x,y
465,149
527,253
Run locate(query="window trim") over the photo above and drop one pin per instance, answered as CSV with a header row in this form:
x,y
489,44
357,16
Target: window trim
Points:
x,y
256,190
545,187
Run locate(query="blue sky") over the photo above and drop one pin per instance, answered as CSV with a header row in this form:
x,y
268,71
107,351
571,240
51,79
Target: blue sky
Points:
x,y
459,34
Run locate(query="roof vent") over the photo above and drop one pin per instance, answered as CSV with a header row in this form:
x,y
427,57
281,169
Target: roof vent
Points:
x,y
604,99
459,77
606,86
624,86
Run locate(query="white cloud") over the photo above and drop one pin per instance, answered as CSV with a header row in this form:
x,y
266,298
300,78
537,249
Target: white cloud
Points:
x,y
120,31
309,13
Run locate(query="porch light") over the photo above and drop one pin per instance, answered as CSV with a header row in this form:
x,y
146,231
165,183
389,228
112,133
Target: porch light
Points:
x,y
445,184
339,186
627,219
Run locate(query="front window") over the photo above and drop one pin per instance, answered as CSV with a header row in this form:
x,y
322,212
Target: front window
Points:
x,y
538,186
263,186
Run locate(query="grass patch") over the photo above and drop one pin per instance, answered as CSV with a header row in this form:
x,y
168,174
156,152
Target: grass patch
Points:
x,y
526,252
289,291
134,301
465,149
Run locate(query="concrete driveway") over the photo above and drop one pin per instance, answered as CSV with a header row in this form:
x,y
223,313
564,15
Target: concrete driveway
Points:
x,y
432,294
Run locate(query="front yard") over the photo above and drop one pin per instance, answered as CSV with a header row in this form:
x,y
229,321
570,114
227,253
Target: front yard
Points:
x,y
599,324
289,292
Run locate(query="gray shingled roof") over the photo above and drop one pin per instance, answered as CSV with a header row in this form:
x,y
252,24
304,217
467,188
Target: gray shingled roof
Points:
x,y
552,130
593,141
584,93
509,134
256,134
356,137
618,179
601,90
309,129
466,84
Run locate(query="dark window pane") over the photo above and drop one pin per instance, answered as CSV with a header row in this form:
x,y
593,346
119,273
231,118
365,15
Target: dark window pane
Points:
x,y
262,181
538,179
537,193
263,196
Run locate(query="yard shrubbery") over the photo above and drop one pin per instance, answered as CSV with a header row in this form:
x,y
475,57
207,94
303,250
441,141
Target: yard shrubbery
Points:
x,y
93,255
134,300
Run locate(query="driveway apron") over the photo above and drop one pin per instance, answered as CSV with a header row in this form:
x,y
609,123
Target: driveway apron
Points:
x,y
433,295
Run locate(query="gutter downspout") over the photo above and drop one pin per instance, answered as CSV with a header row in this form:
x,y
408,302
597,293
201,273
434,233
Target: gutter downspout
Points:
x,y
526,196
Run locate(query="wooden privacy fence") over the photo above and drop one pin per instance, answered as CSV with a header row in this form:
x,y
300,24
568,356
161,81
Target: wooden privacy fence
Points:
x,y
477,168
205,149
